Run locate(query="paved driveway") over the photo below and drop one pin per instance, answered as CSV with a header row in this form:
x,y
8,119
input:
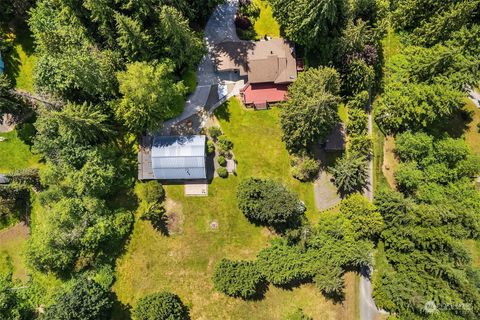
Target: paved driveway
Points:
x,y
220,27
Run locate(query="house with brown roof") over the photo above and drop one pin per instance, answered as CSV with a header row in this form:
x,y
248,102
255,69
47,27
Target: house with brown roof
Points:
x,y
268,65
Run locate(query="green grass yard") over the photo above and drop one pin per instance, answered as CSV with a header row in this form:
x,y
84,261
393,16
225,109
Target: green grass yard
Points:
x,y
15,154
184,263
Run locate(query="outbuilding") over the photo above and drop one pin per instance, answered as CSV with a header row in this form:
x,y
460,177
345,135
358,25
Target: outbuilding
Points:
x,y
179,157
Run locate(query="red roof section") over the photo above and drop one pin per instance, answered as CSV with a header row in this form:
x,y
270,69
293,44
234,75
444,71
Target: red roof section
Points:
x,y
262,93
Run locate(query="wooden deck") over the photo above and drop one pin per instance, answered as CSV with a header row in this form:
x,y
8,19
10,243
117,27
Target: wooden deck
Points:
x,y
145,171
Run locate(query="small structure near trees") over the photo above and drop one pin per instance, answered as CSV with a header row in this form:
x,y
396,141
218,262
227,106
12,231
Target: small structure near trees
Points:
x,y
173,158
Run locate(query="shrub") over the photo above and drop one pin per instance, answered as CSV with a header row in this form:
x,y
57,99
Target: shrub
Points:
x,y
357,122
151,195
359,101
451,151
360,144
85,301
350,174
238,278
282,264
210,147
221,161
470,167
160,306
248,8
224,144
150,192
305,168
363,215
214,132
105,277
267,202
330,281
222,172
408,177
413,146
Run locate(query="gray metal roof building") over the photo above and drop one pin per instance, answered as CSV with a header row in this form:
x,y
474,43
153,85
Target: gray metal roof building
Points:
x,y
179,157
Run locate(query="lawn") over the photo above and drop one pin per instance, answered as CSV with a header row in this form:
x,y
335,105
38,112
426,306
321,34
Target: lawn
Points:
x,y
21,61
184,263
15,154
12,242
266,23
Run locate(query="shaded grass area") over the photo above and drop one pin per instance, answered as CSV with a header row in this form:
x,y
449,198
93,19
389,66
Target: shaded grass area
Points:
x,y
266,25
184,263
15,154
21,60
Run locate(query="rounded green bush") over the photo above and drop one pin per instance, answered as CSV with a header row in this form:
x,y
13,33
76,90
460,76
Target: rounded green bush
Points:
x,y
238,278
210,147
222,172
221,161
160,306
214,132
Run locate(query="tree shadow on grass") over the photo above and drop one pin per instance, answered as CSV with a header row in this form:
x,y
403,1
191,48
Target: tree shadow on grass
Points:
x,y
335,297
261,290
457,125
24,38
120,311
294,284
223,113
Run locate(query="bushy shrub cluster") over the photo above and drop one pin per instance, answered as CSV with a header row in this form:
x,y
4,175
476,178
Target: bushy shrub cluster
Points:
x,y
224,145
238,278
350,174
151,196
323,256
221,161
425,159
222,172
160,306
304,168
215,132
269,203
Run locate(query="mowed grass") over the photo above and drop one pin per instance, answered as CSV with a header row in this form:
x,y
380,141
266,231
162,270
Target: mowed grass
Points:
x,y
15,154
266,25
184,263
12,243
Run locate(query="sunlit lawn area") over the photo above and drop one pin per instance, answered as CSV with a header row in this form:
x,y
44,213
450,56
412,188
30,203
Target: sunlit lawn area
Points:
x,y
15,154
266,23
12,242
184,263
